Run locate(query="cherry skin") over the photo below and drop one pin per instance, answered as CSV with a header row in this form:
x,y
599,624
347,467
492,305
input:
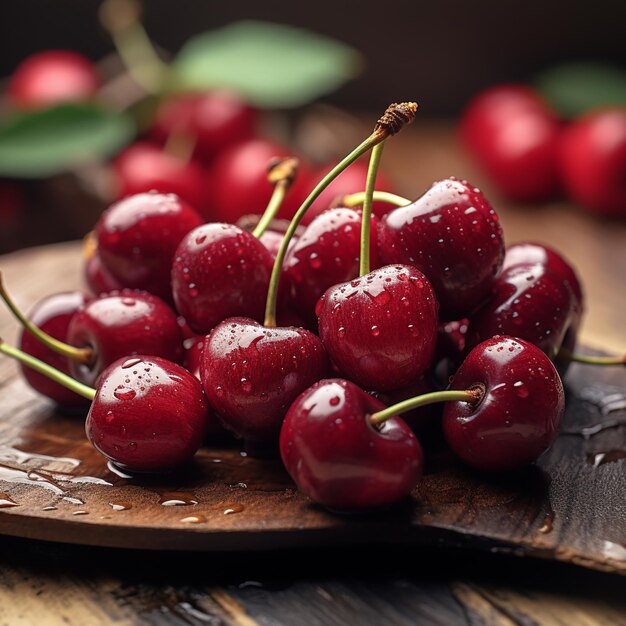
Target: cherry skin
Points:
x,y
53,76
138,236
148,415
123,324
52,315
519,415
239,185
592,161
338,458
252,374
327,253
514,135
380,329
97,276
213,120
220,271
453,236
144,167
351,180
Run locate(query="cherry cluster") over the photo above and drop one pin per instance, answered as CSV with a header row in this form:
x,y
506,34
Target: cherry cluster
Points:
x,y
313,341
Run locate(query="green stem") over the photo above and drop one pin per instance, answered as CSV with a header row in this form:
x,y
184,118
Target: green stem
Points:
x,y
467,395
366,214
357,199
592,360
48,370
81,355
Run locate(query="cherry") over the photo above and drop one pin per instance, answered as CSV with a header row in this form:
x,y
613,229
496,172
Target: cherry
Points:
x,y
146,167
193,354
327,253
380,329
520,409
220,271
338,458
350,181
252,374
514,135
453,236
97,276
214,120
50,77
138,236
52,315
592,161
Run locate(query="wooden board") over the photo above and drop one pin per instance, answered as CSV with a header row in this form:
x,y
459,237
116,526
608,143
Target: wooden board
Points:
x,y
570,507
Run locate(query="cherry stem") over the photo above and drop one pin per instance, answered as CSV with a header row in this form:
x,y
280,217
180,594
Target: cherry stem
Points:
x,y
356,199
281,173
121,19
468,395
48,370
366,213
80,355
394,118
588,359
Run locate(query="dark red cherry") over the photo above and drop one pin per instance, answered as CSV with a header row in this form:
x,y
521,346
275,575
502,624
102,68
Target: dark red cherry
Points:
x,y
97,276
52,315
193,354
220,271
122,324
351,180
138,236
450,349
338,458
213,120
521,408
380,329
239,185
327,253
144,167
149,414
514,135
453,236
50,77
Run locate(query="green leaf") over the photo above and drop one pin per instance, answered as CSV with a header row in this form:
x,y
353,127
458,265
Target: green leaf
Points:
x,y
51,141
578,87
270,65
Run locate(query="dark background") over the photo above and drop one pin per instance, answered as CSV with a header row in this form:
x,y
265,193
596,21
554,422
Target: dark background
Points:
x,y
437,52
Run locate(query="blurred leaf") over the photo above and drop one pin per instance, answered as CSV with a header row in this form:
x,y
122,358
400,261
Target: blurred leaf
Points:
x,y
270,65
578,87
43,143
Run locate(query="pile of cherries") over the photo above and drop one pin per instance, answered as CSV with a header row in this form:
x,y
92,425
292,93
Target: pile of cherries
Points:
x,y
180,343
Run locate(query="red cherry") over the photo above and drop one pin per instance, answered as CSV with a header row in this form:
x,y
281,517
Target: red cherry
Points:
x,y
593,161
97,276
52,315
214,120
145,167
239,184
252,374
220,271
138,236
338,458
380,329
453,236
148,414
514,135
53,76
351,180
521,408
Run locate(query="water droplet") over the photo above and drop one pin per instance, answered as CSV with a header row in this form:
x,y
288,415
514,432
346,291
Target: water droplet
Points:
x,y
334,401
231,509
200,239
382,298
49,508
130,363
132,445
520,389
81,512
6,502
124,393
177,498
193,519
219,392
341,332
315,261
246,385
375,331
121,506
192,290
128,301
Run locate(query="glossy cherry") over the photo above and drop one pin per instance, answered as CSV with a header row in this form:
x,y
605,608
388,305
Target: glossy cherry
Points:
x,y
148,415
52,315
97,276
519,413
338,458
138,236
592,161
252,374
514,135
380,329
53,76
452,235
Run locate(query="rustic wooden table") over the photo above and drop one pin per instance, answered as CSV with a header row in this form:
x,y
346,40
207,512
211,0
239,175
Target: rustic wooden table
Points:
x,y
50,583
